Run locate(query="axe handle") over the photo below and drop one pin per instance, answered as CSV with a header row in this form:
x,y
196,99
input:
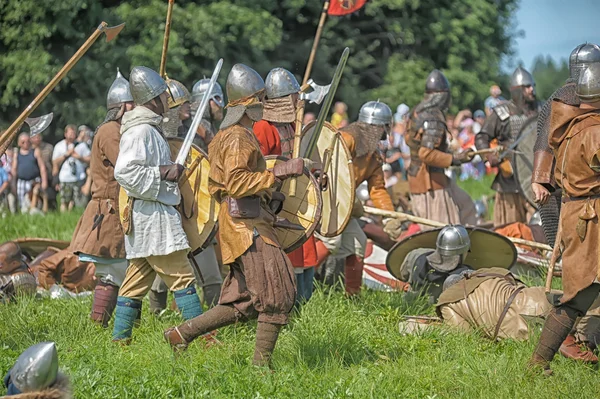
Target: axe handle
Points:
x,y
313,51
163,58
433,223
297,140
10,133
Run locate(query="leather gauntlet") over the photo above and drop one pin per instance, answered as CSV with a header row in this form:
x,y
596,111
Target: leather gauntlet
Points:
x,y
171,172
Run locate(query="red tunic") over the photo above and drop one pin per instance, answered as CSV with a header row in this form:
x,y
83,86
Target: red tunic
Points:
x,y
270,144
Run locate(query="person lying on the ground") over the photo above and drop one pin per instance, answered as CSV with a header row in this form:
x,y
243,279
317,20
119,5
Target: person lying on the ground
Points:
x,y
495,302
64,268
15,276
35,375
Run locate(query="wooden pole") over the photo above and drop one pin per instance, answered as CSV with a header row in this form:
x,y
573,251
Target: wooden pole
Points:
x,y
163,58
553,258
313,51
433,223
10,133
297,136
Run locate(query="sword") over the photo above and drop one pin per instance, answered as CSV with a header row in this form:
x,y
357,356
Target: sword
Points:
x,y
189,138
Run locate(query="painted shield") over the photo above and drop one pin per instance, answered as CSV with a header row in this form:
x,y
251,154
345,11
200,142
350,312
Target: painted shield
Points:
x,y
198,209
338,197
488,249
522,160
303,209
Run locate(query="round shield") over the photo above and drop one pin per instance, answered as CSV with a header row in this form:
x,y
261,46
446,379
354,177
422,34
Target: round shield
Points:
x,y
338,197
522,160
198,209
303,209
32,247
488,249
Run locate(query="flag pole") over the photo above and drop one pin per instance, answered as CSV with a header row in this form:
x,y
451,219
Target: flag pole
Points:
x,y
313,51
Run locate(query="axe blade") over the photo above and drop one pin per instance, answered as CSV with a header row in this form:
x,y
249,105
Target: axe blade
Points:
x,y
112,31
317,95
39,124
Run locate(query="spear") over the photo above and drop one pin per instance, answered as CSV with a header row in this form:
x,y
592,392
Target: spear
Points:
x,y
163,58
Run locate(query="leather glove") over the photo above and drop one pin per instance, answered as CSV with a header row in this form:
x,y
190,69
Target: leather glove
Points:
x,y
462,157
276,203
393,228
493,159
287,169
171,172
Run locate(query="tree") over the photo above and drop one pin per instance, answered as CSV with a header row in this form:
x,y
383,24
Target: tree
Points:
x,y
394,45
548,75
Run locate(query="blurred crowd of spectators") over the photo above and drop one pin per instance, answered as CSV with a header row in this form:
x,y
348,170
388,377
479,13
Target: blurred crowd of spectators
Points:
x,y
36,176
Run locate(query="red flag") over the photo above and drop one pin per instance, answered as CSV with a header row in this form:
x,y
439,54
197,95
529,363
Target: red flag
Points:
x,y
344,7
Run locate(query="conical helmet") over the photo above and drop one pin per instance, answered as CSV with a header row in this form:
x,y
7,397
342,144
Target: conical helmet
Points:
x,y
200,89
453,240
36,368
178,93
280,83
243,82
375,113
119,92
581,57
145,84
437,82
521,77
588,86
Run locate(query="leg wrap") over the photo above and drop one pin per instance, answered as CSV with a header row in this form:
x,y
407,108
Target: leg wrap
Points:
x,y
188,303
127,312
558,325
353,271
217,317
105,300
266,338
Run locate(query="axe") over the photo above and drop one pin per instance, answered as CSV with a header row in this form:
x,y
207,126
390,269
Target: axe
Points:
x,y
39,124
110,32
317,95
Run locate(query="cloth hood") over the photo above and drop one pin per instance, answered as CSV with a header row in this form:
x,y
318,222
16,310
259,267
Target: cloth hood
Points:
x,y
140,116
561,117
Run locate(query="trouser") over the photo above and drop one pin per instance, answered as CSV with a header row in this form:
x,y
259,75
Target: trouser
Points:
x,y
349,247
560,322
304,281
173,268
588,328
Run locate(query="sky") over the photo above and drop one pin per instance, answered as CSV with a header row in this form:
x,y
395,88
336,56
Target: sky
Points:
x,y
554,27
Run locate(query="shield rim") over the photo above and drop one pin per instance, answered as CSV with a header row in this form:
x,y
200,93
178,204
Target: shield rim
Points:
x,y
310,231
514,163
406,246
30,244
335,131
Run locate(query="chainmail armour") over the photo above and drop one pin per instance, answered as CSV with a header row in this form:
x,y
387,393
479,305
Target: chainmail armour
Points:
x,y
171,123
280,110
366,137
113,114
550,212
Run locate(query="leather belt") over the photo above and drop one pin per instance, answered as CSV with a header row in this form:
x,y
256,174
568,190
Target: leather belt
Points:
x,y
564,200
509,302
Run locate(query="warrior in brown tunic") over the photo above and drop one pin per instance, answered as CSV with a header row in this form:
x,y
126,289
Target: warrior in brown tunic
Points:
x,y
15,277
575,141
433,195
504,125
98,237
261,281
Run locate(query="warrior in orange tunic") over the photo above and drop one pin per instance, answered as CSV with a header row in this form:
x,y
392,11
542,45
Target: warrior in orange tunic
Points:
x,y
575,141
261,280
275,134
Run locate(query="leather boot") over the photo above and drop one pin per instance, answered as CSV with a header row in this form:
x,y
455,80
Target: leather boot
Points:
x,y
557,327
266,338
353,270
105,301
212,293
158,301
217,317
571,349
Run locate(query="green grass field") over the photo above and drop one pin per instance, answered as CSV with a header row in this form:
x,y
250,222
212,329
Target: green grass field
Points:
x,y
333,348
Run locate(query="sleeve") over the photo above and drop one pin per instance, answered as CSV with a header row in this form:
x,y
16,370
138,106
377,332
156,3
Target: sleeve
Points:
x,y
109,145
379,194
591,148
83,150
270,144
436,158
489,131
349,141
131,171
240,160
57,152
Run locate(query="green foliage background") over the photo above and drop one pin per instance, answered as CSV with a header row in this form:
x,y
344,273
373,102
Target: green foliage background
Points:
x,y
394,44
